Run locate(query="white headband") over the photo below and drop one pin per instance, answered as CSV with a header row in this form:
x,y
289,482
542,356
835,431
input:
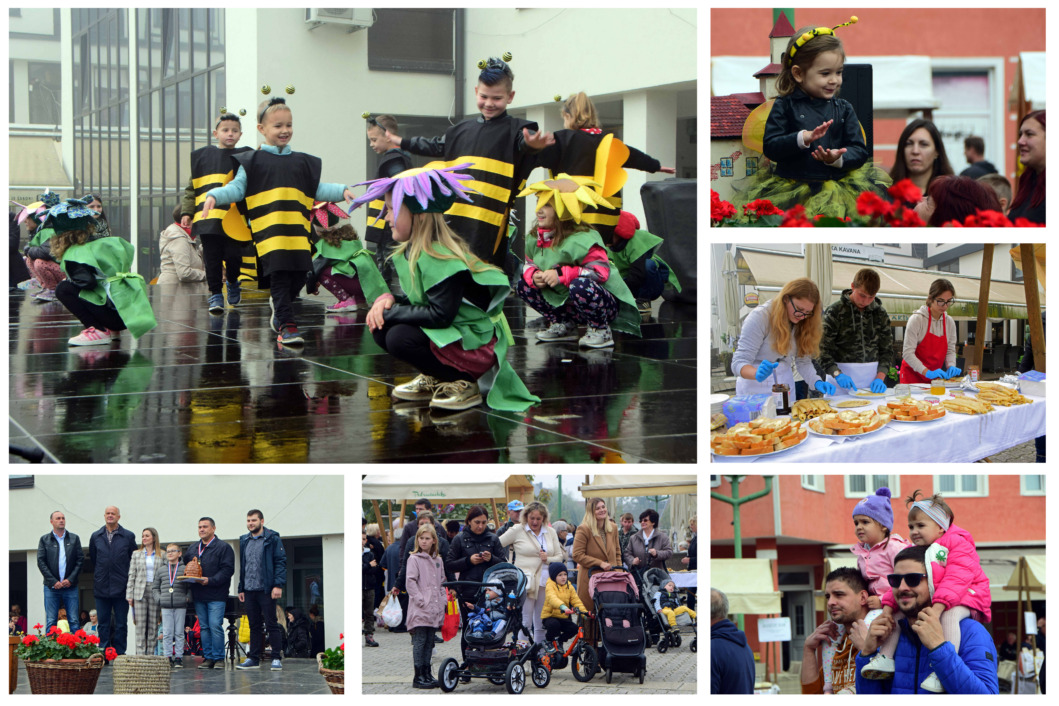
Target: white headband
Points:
x,y
933,512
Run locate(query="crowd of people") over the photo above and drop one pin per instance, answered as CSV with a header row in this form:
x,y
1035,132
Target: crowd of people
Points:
x,y
176,613
556,558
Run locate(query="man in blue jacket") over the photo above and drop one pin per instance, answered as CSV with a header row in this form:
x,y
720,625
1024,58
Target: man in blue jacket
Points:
x,y
211,595
922,647
111,547
262,577
731,659
59,558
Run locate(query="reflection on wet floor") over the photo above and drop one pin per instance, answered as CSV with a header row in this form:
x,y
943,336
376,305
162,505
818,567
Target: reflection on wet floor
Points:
x,y
218,389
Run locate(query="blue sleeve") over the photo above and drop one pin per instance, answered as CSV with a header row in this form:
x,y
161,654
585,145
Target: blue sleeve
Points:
x,y
973,671
280,558
330,192
231,192
856,149
870,686
781,133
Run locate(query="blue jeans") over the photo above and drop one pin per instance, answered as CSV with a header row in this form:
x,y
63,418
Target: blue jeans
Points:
x,y
211,617
113,634
65,598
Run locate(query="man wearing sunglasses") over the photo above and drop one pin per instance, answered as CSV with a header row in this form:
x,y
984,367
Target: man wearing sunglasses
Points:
x,y
857,343
846,594
922,647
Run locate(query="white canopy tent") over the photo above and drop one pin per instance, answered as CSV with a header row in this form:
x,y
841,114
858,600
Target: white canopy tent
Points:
x,y
682,488
375,488
748,585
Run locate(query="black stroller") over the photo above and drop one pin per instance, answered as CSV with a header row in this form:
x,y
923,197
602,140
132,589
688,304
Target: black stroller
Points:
x,y
619,615
490,656
652,581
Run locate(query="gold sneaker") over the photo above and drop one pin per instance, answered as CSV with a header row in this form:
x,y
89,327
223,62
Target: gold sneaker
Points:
x,y
457,395
421,388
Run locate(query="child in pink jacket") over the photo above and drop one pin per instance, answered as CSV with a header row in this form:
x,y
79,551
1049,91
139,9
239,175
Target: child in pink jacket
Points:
x,y
958,585
876,547
426,602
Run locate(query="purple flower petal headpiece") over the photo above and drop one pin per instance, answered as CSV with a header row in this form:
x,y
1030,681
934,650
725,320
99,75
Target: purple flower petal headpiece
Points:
x,y
429,189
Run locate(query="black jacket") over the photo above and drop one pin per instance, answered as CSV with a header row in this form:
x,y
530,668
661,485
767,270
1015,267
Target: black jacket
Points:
x,y
693,554
299,636
465,545
273,561
218,565
443,303
798,111
111,560
48,558
979,169
369,574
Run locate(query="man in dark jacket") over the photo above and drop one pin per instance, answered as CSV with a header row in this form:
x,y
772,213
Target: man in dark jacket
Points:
x,y
974,152
731,659
262,577
59,558
111,547
211,594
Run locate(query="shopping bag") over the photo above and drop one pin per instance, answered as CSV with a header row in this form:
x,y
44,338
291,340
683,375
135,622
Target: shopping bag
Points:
x,y
244,629
451,626
391,614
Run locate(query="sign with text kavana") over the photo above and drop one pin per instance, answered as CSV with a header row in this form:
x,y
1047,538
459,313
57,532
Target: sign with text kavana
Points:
x,y
774,630
863,252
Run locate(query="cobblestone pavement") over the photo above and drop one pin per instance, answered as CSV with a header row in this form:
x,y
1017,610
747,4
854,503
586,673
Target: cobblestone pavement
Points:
x,y
387,669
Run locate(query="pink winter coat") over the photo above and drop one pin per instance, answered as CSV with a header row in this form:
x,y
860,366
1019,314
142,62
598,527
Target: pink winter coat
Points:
x,y
960,581
875,563
426,596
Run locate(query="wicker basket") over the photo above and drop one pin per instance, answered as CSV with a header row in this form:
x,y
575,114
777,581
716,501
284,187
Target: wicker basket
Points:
x,y
335,678
65,677
141,674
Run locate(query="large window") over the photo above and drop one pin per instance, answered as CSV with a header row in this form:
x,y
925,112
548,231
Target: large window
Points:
x,y
418,39
1031,485
860,486
962,486
45,93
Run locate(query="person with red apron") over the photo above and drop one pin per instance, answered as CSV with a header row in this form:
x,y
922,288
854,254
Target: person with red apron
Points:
x,y
930,338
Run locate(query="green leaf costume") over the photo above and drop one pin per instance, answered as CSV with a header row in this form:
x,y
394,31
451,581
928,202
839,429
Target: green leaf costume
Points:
x,y
639,244
473,327
352,259
111,258
41,236
572,251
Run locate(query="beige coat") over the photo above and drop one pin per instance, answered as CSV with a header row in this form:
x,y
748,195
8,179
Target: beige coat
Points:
x,y
589,552
137,587
527,554
181,257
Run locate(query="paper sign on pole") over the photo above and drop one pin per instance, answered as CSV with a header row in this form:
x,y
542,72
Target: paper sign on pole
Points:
x,y
1031,622
774,630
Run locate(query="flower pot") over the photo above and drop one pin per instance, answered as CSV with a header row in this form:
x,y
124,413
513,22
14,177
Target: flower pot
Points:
x,y
67,676
12,662
335,678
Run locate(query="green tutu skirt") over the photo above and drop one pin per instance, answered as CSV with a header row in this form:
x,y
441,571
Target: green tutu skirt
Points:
x,y
834,197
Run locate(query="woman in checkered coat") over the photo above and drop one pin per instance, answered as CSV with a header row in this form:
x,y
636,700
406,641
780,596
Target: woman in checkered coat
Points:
x,y
145,612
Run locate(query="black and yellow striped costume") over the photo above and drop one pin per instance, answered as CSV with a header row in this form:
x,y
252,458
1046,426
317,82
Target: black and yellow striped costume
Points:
x,y
500,163
280,190
211,167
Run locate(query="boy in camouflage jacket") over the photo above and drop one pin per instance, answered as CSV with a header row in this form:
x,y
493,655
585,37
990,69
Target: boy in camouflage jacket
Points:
x,y
855,331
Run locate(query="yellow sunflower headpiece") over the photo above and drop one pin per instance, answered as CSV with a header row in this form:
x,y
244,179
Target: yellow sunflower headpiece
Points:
x,y
569,196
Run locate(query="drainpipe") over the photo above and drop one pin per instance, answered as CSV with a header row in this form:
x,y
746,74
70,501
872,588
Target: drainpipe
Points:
x,y
459,47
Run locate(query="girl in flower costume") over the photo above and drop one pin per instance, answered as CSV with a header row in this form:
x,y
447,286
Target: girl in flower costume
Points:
x,y
42,266
450,323
567,276
99,289
342,264
813,138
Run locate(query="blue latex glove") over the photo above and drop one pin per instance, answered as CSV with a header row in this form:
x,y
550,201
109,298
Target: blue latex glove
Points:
x,y
932,374
878,386
845,381
952,372
824,387
764,370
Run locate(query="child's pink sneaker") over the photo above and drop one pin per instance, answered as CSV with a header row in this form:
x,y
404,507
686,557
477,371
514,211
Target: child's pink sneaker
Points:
x,y
91,337
339,307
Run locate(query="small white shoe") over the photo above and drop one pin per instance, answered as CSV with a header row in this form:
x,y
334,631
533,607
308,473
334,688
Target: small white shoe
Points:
x,y
597,338
880,667
932,684
558,331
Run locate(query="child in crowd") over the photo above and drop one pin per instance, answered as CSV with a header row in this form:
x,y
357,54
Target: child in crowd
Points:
x,y
181,253
426,601
99,289
488,618
813,138
450,323
279,186
342,265
567,275
501,151
584,148
43,267
959,587
171,594
369,571
877,545
392,161
95,204
634,253
61,620
222,231
667,603
560,602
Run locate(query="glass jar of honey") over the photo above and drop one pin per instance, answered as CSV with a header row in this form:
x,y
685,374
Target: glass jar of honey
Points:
x,y
937,387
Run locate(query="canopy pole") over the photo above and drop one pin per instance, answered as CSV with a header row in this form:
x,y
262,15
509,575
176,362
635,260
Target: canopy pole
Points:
x,y
1019,619
983,304
382,525
1033,304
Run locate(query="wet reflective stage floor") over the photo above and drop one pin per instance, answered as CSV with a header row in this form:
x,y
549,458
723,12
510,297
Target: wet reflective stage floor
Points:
x,y
218,389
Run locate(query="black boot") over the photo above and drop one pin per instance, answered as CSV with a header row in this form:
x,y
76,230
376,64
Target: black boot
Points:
x,y
430,677
421,681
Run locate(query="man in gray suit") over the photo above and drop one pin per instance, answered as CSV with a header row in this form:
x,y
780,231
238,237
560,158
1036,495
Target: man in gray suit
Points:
x,y
59,558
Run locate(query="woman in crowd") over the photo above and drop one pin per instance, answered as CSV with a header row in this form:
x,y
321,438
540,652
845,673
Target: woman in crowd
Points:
x,y
138,591
373,531
929,350
536,545
952,198
95,203
920,155
473,551
595,548
648,548
1029,197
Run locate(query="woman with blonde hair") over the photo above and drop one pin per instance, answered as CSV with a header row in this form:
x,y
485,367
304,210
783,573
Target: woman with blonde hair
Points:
x,y
536,546
596,546
778,335
139,594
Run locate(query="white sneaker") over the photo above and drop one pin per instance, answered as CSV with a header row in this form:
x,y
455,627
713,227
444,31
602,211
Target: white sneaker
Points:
x,y
558,332
597,338
932,684
421,388
91,337
880,667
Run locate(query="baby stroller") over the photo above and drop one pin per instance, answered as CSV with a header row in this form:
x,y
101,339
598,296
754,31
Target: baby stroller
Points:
x,y
619,614
491,656
652,582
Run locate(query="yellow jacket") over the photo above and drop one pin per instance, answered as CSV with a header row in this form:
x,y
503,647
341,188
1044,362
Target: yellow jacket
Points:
x,y
555,596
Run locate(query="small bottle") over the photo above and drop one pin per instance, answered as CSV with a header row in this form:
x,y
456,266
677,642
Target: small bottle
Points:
x,y
781,391
974,375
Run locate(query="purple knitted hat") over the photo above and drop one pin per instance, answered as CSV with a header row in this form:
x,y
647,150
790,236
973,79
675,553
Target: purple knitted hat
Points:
x,y
878,508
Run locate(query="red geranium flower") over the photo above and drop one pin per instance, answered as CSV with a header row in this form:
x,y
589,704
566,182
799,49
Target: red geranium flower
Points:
x,y
38,626
871,204
54,630
992,219
340,636
795,218
29,640
92,640
953,224
342,647
906,191
110,653
80,633
762,207
1022,222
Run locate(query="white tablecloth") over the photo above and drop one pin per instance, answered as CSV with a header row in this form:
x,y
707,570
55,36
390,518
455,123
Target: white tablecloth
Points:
x,y
955,438
684,579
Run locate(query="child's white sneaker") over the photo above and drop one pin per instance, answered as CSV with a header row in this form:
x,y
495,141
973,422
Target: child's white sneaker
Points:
x,y
558,331
880,667
597,338
932,684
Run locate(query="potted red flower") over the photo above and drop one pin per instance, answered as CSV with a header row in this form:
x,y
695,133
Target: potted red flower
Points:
x,y
332,665
61,662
